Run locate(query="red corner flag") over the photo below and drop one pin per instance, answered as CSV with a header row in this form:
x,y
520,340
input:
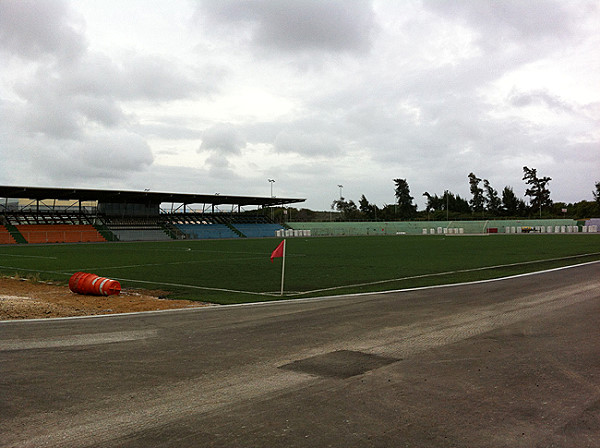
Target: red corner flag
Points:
x,y
278,252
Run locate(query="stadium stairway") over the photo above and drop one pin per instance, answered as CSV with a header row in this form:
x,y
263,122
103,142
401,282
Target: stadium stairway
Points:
x,y
235,230
6,237
14,232
105,232
173,231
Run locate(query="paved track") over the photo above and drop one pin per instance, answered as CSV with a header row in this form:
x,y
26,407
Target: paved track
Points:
x,y
511,363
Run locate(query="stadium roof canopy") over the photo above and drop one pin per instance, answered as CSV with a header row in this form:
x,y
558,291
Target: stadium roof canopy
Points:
x,y
139,197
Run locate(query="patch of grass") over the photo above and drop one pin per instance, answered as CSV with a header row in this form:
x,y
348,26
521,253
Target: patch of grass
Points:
x,y
235,271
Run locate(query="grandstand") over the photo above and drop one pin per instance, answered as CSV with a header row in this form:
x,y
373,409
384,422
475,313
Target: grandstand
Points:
x,y
54,215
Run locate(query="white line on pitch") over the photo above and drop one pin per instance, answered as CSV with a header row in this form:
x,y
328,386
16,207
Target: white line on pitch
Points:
x,y
27,256
263,257
35,270
208,288
437,274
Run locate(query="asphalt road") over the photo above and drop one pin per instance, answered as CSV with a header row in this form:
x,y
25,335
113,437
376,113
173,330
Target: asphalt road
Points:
x,y
511,363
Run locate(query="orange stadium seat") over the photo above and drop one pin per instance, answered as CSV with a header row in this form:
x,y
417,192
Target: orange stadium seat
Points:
x,y
59,233
5,236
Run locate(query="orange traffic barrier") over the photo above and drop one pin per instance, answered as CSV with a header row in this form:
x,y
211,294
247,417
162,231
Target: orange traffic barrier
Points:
x,y
91,284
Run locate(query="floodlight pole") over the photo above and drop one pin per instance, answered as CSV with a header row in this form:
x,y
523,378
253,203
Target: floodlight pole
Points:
x,y
341,188
271,181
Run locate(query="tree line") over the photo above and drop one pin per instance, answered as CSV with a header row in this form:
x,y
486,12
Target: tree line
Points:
x,y
485,202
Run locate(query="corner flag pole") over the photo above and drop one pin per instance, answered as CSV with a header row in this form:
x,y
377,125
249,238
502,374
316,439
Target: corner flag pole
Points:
x,y
283,268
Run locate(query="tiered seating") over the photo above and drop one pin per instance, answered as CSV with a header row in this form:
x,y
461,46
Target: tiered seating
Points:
x,y
137,229
258,230
207,231
59,233
5,236
249,219
214,218
192,218
68,227
139,234
222,225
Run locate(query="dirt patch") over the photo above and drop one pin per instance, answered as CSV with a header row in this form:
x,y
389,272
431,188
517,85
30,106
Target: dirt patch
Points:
x,y
25,299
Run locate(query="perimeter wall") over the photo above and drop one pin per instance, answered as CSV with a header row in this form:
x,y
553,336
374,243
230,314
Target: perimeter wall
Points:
x,y
443,227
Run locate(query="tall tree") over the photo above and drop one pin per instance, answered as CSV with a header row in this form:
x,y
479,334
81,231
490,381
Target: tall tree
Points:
x,y
492,199
538,191
511,204
434,204
597,193
406,208
447,203
366,208
363,205
478,200
458,204
348,209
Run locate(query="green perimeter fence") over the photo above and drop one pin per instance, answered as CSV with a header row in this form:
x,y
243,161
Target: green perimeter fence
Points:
x,y
442,227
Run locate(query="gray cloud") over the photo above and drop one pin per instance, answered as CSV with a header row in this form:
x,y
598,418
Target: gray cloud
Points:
x,y
139,77
31,29
102,155
221,141
501,23
219,167
294,141
165,130
300,25
223,138
427,91
151,77
102,111
49,110
539,97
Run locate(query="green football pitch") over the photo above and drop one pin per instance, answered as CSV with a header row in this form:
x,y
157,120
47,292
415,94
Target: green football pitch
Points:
x,y
236,271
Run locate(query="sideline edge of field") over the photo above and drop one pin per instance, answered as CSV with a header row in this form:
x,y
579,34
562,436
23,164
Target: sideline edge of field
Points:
x,y
297,294
304,299
358,285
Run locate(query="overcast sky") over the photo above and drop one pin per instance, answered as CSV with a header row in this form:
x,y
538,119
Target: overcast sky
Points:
x,y
219,96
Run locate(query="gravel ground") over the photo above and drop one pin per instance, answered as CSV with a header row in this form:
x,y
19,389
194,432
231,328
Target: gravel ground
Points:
x,y
26,299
